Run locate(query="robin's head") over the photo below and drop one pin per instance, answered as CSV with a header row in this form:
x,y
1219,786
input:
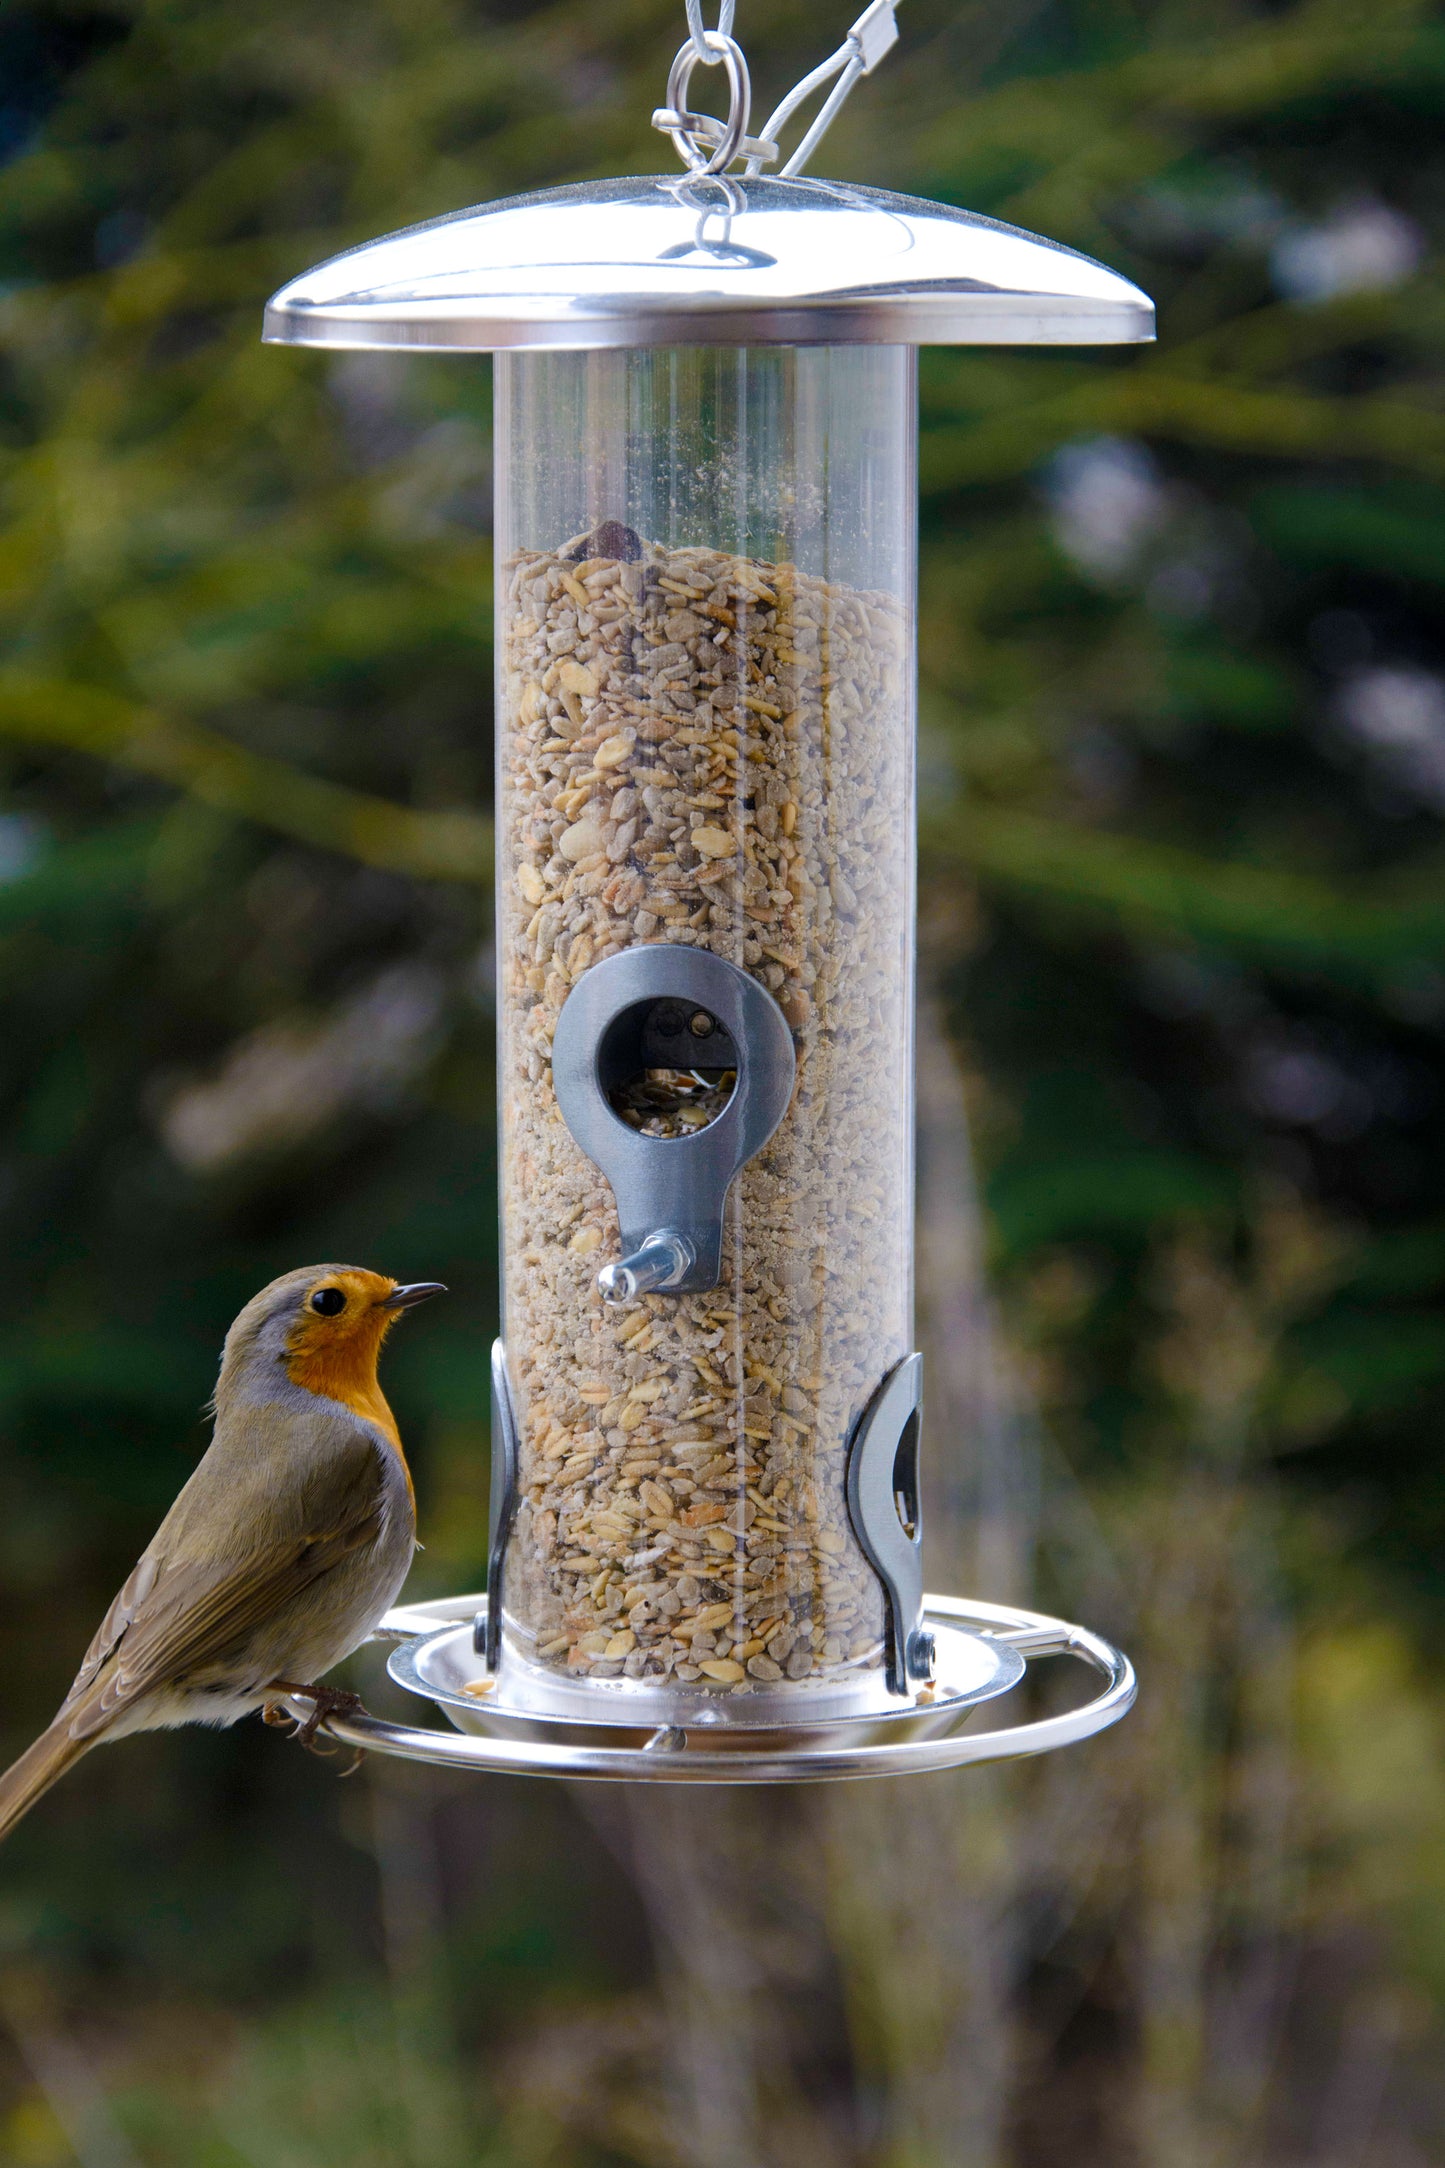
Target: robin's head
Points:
x,y
341,1320
322,1327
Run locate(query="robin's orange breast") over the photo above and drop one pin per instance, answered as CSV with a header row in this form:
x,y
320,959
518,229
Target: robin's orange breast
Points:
x,y
348,1374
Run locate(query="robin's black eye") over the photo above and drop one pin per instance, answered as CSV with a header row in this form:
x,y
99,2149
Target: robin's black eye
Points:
x,y
329,1301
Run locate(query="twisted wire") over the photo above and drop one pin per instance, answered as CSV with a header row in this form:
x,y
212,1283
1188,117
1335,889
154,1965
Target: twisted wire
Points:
x,y
702,52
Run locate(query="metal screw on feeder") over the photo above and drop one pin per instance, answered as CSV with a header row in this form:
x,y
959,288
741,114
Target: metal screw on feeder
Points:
x,y
706,1547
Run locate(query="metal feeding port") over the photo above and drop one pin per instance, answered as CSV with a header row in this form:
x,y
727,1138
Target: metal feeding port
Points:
x,y
706,1537
626,1022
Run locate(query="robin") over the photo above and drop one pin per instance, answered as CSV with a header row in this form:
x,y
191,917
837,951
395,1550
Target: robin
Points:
x,y
282,1552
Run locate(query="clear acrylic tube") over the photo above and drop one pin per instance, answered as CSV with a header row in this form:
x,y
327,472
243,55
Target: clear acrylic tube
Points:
x,y
705,594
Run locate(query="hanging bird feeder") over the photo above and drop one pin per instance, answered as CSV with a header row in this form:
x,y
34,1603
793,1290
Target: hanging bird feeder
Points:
x,y
705,1523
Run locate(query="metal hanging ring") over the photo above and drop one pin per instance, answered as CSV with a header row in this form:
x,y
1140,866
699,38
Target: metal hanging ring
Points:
x,y
699,33
693,133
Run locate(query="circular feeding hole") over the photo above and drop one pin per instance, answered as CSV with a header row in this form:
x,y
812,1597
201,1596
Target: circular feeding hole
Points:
x,y
668,1067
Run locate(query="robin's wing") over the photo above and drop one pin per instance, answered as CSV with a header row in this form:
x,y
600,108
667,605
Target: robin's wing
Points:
x,y
175,1618
115,1623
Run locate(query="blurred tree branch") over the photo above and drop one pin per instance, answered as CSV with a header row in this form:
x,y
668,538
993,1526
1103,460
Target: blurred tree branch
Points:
x,y
429,846
1150,890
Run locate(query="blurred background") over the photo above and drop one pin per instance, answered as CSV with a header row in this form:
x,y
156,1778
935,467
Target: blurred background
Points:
x,y
1183,996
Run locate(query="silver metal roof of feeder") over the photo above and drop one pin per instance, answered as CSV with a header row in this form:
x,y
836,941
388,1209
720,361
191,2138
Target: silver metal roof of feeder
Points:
x,y
685,261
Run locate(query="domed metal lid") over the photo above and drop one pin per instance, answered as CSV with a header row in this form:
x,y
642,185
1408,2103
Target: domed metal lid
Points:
x,y
709,262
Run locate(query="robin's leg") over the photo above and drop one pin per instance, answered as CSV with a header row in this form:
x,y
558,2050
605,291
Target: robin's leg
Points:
x,y
325,1701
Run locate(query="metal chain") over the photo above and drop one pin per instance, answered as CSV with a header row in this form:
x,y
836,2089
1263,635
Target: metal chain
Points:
x,y
708,147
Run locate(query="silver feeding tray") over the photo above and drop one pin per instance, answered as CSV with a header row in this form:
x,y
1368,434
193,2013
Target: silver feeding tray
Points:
x,y
983,1649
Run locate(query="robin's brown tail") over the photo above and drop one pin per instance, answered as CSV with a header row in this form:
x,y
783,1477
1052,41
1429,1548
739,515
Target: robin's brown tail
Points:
x,y
35,1772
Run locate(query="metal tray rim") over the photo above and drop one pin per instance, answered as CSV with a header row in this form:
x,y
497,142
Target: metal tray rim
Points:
x,y
1033,1634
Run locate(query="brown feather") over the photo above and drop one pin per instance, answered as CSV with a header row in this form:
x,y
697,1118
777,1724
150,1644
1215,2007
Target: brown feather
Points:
x,y
195,1616
35,1772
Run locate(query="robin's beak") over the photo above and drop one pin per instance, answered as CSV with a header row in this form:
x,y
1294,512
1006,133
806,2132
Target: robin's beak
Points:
x,y
405,1298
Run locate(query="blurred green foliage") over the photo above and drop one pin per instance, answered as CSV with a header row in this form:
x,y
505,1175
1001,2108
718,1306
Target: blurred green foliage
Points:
x,y
1183,696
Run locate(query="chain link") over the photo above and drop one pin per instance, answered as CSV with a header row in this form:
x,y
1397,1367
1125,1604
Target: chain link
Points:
x,y
708,146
